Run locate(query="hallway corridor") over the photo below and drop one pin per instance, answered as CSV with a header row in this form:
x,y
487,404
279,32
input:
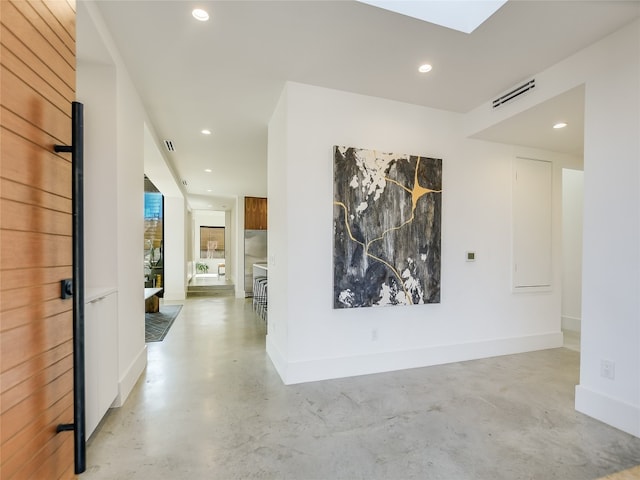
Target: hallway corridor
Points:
x,y
210,405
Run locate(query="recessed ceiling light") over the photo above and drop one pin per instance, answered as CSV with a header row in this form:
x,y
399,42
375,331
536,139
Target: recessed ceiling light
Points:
x,y
425,68
208,170
205,132
209,190
209,206
559,125
200,14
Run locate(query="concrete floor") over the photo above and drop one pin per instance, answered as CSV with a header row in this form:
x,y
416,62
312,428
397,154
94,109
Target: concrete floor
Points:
x,y
210,279
211,406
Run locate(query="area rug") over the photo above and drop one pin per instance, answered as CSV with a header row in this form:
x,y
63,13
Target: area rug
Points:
x,y
156,325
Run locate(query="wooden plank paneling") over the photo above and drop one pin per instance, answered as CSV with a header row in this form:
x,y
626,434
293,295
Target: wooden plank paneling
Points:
x,y
59,14
64,12
31,277
29,132
31,218
23,372
31,406
31,165
59,97
20,50
48,28
27,341
37,434
29,250
23,314
37,430
53,464
33,196
37,86
12,396
14,20
20,98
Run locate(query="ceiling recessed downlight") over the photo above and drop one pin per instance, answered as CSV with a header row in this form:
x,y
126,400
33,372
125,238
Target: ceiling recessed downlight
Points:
x,y
205,132
559,125
208,170
200,15
425,68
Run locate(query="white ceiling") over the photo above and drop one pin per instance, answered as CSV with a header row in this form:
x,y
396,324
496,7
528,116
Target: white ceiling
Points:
x,y
226,74
534,127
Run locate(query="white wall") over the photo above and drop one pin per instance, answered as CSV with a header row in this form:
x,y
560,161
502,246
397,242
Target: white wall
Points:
x,y
175,266
237,216
130,206
123,189
229,240
572,208
174,220
279,223
96,89
188,251
610,325
478,316
610,309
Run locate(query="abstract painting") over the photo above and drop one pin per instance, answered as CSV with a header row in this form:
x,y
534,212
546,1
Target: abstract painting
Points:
x,y
386,227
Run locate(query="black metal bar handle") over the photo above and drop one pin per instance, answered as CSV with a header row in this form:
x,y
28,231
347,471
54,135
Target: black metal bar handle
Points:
x,y
77,204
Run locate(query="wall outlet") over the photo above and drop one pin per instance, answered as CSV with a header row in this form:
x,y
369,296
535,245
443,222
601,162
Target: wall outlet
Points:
x,y
607,369
374,335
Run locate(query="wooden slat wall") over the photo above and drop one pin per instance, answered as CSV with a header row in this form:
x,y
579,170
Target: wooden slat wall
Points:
x,y
37,86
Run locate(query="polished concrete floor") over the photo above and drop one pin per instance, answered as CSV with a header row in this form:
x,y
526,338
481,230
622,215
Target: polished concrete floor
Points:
x,y
209,279
211,406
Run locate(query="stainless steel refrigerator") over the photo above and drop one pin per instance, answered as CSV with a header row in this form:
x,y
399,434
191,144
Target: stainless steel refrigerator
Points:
x,y
255,251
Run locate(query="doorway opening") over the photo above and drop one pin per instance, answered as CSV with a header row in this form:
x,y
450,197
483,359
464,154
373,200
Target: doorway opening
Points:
x,y
572,208
211,253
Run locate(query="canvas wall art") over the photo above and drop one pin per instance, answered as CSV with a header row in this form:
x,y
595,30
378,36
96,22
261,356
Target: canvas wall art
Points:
x,y
386,220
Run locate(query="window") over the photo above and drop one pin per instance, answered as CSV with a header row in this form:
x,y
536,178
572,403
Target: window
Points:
x,y
211,242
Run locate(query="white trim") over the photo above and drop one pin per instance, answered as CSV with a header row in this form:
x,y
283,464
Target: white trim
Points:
x,y
129,379
532,289
328,368
612,411
571,323
277,358
174,296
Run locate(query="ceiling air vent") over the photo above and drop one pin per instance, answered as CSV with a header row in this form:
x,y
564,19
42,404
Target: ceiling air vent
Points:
x,y
169,145
516,92
184,182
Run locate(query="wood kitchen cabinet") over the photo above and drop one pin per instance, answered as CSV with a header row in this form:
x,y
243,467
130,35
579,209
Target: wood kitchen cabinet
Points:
x,y
255,213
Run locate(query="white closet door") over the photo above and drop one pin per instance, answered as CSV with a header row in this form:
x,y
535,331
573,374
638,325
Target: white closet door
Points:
x,y
531,223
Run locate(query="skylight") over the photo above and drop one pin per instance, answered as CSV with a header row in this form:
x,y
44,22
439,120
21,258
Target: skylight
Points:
x,y
462,15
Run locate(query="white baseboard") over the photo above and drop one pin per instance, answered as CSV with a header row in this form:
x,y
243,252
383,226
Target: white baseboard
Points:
x,y
571,323
324,369
612,411
277,358
130,377
174,296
